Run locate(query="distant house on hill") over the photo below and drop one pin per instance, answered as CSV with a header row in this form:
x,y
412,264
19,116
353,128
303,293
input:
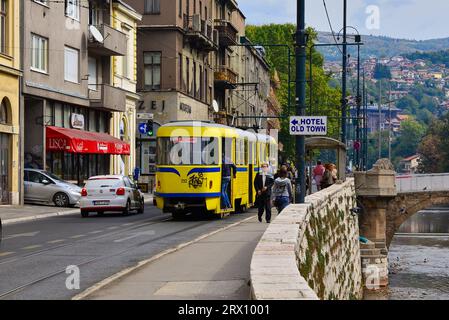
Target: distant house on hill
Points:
x,y
410,165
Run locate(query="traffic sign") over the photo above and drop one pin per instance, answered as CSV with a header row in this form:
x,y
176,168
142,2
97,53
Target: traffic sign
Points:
x,y
308,126
143,128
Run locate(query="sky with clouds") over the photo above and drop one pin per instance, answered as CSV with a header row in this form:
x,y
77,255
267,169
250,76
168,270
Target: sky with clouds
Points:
x,y
410,19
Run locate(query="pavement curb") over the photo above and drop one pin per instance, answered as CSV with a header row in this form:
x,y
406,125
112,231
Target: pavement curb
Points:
x,y
143,263
6,222
39,217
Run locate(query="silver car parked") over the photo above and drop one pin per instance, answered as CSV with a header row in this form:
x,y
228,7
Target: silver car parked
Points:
x,y
44,187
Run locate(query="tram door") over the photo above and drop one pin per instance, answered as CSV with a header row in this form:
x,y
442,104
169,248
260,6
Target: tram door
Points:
x,y
250,155
4,169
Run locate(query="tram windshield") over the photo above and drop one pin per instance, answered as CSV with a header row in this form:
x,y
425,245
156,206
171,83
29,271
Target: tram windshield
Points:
x,y
188,151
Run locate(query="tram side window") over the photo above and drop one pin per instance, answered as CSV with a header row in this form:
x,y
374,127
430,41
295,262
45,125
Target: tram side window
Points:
x,y
227,148
187,151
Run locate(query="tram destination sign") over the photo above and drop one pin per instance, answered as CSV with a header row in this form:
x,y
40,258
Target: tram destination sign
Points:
x,y
308,126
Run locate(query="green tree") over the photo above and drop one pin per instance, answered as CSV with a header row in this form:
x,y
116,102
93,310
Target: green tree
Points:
x,y
409,139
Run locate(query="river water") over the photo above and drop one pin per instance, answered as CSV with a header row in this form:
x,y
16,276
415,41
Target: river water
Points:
x,y
419,259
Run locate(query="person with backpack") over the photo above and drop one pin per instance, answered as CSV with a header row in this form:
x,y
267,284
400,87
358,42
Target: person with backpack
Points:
x,y
282,191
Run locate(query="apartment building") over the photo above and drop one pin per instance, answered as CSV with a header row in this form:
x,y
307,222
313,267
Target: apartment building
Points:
x,y
72,98
192,66
10,74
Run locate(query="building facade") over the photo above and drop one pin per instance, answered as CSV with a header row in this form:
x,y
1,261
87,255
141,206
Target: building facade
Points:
x,y
10,74
70,88
192,66
124,70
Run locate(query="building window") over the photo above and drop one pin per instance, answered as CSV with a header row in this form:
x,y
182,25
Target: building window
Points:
x,y
3,112
39,53
152,7
180,8
152,69
3,25
94,14
72,9
71,61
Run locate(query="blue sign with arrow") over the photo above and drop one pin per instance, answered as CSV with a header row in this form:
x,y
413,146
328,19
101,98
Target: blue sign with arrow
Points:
x,y
143,128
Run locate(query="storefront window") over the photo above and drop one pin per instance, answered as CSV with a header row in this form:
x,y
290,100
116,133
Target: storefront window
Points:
x,y
67,116
102,124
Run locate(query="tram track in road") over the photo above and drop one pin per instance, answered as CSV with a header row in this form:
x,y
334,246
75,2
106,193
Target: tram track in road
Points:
x,y
145,223
29,284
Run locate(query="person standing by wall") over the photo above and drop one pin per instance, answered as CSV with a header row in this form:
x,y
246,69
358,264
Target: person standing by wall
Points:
x,y
282,191
263,184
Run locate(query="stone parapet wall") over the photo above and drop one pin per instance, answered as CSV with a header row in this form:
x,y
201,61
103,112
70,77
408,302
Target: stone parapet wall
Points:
x,y
311,251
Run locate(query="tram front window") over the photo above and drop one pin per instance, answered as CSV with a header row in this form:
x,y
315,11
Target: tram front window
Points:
x,y
178,151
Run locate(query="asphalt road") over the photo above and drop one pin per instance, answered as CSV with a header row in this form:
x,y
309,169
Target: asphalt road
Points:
x,y
34,256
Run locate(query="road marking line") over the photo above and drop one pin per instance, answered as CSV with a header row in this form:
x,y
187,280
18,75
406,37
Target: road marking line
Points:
x,y
143,263
4,254
78,236
32,247
56,241
96,231
127,224
112,228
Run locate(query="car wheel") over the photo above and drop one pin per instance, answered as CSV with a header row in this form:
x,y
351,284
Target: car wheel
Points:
x,y
61,200
84,213
141,207
127,208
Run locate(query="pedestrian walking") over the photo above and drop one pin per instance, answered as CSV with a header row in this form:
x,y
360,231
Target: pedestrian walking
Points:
x,y
282,191
263,184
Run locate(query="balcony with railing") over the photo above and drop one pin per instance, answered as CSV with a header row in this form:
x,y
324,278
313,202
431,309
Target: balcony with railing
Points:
x,y
227,32
200,33
112,44
107,97
225,77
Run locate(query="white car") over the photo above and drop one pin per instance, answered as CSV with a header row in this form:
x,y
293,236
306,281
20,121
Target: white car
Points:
x,y
110,193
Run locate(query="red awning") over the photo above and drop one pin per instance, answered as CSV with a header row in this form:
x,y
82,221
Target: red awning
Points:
x,y
78,141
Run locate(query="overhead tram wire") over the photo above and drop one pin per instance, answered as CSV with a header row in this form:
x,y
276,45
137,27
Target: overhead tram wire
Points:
x,y
330,26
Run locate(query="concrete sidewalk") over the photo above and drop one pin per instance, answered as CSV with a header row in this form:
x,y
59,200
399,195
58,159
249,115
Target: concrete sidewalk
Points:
x,y
26,213
216,267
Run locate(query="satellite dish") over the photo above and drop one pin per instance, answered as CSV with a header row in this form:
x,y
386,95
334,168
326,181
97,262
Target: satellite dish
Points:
x,y
215,106
96,34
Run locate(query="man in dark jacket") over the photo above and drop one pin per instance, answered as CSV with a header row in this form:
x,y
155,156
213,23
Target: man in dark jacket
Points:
x,y
263,183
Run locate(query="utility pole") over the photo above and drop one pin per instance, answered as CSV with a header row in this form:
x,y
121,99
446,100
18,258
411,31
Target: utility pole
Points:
x,y
380,119
389,124
301,44
359,101
344,75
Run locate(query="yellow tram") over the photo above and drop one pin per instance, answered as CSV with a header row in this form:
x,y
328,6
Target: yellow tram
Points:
x,y
190,158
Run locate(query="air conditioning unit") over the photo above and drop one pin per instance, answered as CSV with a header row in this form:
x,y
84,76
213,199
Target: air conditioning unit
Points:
x,y
196,23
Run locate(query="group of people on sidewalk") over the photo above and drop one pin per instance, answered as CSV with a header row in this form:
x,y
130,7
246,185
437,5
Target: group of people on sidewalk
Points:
x,y
272,191
277,191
